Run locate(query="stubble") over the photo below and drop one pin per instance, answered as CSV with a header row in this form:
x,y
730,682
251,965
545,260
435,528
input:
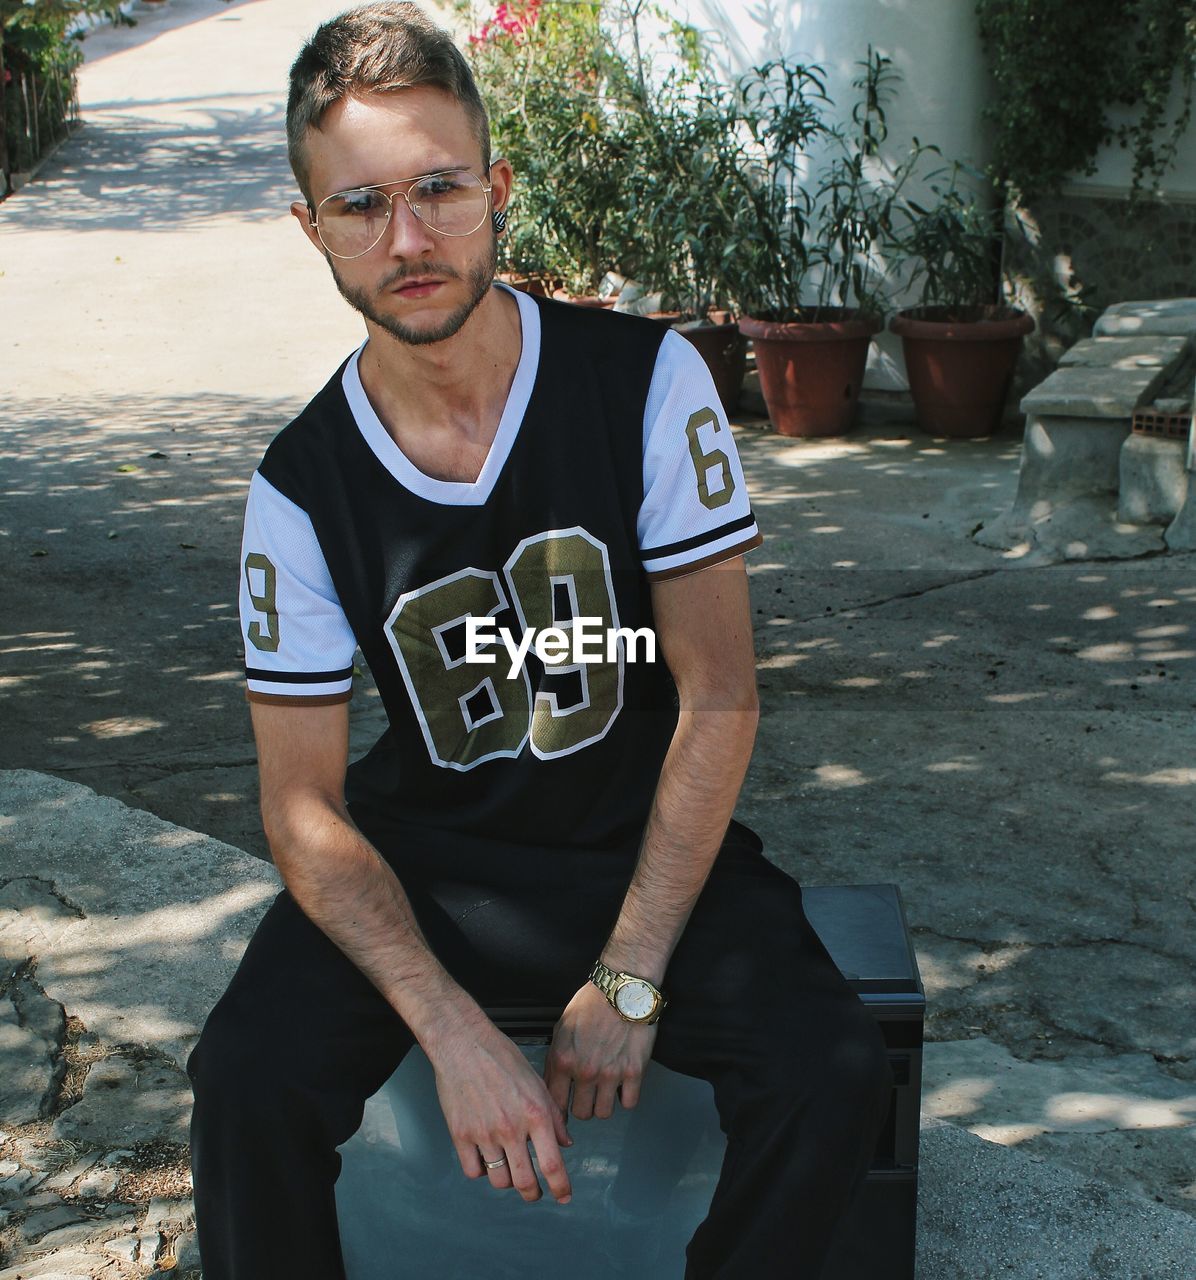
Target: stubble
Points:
x,y
479,278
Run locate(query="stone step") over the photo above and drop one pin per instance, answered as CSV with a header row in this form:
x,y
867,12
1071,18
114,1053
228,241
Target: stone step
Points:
x,y
1126,353
1174,317
1086,391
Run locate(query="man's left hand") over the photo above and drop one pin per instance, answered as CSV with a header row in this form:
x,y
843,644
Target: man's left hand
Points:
x,y
599,1053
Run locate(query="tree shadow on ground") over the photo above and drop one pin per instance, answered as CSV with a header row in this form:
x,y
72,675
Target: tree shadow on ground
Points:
x,y
122,666
123,172
1013,749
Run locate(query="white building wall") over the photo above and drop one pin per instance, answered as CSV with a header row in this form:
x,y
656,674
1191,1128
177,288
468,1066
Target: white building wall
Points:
x,y
1115,165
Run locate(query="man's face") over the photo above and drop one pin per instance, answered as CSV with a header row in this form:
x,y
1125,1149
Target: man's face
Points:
x,y
418,285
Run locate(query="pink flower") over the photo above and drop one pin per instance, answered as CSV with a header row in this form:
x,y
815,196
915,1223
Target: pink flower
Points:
x,y
509,19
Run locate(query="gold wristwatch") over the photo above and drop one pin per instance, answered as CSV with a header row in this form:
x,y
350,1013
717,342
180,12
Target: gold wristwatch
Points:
x,y
633,999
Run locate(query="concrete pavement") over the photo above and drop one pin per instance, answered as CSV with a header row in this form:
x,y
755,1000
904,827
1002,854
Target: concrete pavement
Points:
x,y
1011,743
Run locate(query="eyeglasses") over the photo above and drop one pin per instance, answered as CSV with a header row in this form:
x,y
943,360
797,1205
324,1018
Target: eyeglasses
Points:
x,y
453,202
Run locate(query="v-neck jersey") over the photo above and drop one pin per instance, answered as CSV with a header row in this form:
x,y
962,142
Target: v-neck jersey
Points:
x,y
611,436
461,493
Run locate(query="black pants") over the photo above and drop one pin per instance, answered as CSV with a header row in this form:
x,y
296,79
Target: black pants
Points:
x,y
301,1039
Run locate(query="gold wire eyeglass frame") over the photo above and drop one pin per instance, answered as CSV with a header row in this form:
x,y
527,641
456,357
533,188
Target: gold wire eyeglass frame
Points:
x,y
314,214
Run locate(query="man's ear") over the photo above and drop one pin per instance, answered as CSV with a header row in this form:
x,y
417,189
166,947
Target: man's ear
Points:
x,y
302,212
501,179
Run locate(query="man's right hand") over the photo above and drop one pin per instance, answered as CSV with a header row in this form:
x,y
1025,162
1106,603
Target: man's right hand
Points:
x,y
495,1104
491,1097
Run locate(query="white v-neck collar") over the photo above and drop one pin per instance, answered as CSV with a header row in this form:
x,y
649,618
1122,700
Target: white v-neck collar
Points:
x,y
460,493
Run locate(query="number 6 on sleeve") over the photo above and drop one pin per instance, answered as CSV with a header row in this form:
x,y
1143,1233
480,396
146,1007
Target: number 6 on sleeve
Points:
x,y
705,460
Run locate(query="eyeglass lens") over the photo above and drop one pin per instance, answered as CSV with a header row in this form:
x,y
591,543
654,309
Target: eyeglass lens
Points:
x,y
352,222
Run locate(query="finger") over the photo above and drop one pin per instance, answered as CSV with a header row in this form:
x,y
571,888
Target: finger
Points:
x,y
604,1097
500,1175
583,1098
552,1164
557,1081
561,1128
471,1160
629,1090
523,1176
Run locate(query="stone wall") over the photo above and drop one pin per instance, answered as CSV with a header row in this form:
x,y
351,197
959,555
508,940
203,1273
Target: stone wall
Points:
x,y
1069,257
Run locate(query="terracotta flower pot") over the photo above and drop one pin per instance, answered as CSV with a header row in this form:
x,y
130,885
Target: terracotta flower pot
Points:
x,y
584,299
811,371
960,362
724,349
525,284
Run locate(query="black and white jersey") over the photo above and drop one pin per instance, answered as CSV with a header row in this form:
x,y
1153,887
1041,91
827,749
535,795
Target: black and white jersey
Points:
x,y
613,466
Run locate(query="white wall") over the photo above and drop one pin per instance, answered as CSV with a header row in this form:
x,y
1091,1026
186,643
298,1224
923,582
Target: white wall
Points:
x,y
933,44
1115,165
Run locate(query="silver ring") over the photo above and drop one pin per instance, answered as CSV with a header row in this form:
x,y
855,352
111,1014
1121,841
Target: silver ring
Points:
x,y
493,1164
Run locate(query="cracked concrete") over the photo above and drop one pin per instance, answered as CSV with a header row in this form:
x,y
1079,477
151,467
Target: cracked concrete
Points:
x,y
117,966
1007,735
31,1031
1069,1225
32,917
66,1213
125,1102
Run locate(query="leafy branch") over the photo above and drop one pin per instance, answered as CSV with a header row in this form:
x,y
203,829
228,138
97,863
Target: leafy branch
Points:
x,y
1058,68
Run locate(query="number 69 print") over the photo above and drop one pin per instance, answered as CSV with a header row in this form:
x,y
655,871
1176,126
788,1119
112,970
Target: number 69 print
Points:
x,y
470,713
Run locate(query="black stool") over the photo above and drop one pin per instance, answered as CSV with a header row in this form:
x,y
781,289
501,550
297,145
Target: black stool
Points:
x,y
401,1185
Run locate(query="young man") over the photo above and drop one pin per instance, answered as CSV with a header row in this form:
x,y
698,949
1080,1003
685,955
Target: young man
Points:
x,y
527,831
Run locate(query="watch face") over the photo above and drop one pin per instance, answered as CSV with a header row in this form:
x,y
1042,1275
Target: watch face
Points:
x,y
635,999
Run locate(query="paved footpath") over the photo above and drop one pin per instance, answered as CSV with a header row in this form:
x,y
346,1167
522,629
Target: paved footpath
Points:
x,y
1010,741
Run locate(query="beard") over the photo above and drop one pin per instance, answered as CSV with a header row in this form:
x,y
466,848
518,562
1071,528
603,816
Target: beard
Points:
x,y
478,279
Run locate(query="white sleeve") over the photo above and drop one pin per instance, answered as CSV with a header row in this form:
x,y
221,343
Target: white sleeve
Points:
x,y
696,509
298,643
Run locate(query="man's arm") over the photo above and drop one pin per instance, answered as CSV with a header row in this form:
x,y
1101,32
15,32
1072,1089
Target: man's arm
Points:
x,y
491,1098
703,627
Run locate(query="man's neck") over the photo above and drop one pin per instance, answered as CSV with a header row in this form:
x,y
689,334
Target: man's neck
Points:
x,y
457,386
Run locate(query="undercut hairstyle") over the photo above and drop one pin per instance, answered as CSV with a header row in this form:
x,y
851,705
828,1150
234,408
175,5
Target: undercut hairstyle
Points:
x,y
375,48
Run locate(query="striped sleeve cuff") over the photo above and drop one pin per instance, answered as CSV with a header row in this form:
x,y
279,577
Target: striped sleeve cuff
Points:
x,y
311,688
702,550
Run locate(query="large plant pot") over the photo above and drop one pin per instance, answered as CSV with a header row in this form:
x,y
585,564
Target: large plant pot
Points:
x,y
960,362
584,299
525,284
724,349
811,370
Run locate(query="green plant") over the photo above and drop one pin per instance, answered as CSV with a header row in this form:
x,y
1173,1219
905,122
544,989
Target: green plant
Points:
x,y
544,72
802,247
37,78
1058,70
856,198
39,55
677,129
779,116
950,244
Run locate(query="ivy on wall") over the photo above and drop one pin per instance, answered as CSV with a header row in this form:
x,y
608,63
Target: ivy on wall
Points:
x,y
1058,68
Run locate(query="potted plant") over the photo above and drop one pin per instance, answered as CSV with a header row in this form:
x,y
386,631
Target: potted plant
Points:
x,y
811,354
543,72
678,134
960,344
522,261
